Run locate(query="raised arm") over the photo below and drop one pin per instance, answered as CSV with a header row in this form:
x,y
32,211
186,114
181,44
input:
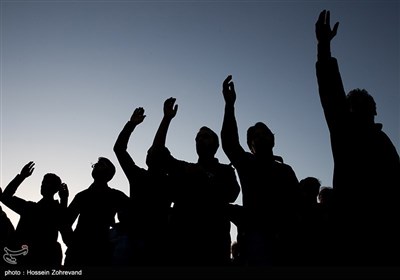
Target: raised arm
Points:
x,y
63,193
229,132
158,156
15,203
121,145
170,110
330,85
65,228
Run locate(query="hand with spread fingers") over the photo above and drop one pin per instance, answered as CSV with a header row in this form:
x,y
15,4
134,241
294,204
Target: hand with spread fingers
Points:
x,y
323,29
138,116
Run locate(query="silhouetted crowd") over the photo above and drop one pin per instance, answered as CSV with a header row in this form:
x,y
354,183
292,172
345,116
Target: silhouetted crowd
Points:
x,y
179,213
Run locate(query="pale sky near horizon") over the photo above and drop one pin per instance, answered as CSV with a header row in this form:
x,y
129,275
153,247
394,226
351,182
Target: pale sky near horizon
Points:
x,y
72,72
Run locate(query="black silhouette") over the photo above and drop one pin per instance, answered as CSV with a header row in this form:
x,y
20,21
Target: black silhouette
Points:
x,y
7,230
235,254
39,222
269,187
310,232
310,189
200,226
121,241
150,202
325,196
90,244
366,176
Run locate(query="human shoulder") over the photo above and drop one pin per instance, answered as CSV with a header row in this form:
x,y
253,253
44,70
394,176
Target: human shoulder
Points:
x,y
82,195
118,193
284,170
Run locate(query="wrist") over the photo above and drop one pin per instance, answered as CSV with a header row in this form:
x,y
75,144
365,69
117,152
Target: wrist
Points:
x,y
324,50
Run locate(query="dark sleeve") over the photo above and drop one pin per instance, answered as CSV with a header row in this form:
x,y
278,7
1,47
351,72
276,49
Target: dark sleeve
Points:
x,y
134,173
161,159
120,149
18,205
73,210
331,92
64,226
233,185
123,202
7,228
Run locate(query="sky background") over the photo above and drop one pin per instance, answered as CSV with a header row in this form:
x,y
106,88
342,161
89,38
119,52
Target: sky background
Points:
x,y
72,72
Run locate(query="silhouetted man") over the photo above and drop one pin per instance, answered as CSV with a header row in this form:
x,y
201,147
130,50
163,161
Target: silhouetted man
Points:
x,y
96,207
366,178
269,187
150,201
200,226
40,221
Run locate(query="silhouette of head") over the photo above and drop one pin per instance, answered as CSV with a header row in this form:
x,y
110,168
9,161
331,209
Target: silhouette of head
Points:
x,y
361,104
325,195
207,142
310,187
51,184
260,139
103,170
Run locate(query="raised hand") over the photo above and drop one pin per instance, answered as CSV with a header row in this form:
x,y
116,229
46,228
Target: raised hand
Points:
x,y
228,90
27,170
63,192
323,29
170,108
138,116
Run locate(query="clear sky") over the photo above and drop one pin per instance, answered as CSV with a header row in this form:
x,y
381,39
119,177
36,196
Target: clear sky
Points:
x,y
72,72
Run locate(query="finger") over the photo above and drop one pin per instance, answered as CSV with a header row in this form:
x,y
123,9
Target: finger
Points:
x,y
171,101
335,28
232,86
139,111
321,17
168,100
30,166
227,80
176,108
328,18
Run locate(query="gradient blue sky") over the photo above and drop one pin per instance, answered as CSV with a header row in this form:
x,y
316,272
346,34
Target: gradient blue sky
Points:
x,y
72,72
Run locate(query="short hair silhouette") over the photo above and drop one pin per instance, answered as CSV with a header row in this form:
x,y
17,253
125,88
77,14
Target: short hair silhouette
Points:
x,y
310,186
325,195
104,169
360,102
50,185
252,134
204,133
